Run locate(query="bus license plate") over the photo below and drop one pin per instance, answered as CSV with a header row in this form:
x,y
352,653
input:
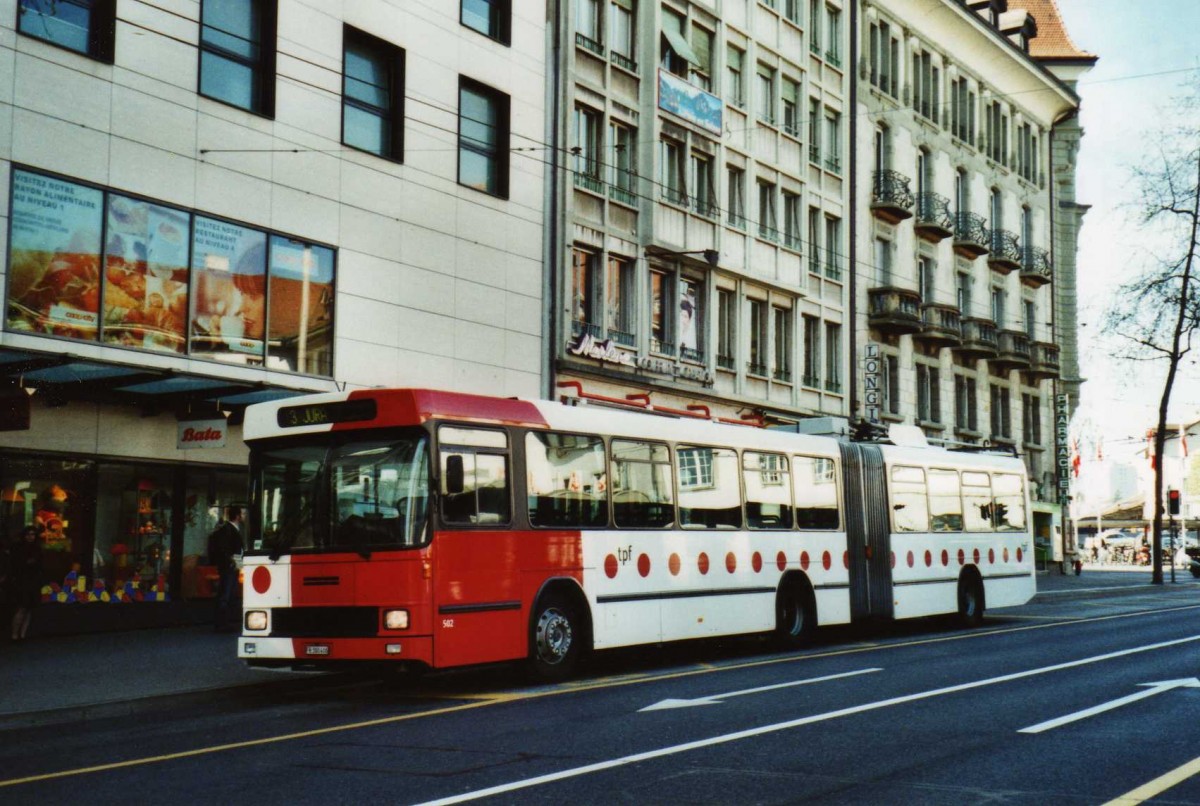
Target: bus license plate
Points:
x,y
316,649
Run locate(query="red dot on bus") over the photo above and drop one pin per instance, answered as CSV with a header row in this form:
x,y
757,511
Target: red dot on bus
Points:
x,y
702,563
756,562
781,561
826,561
845,559
673,564
928,558
945,557
804,560
610,566
643,565
1005,554
730,562
910,559
991,556
976,556
1018,554
893,559
962,557
261,579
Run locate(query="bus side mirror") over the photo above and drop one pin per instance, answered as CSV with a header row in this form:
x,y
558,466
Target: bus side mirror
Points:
x,y
454,473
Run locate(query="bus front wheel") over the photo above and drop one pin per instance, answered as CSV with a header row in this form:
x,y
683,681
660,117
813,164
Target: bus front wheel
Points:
x,y
557,637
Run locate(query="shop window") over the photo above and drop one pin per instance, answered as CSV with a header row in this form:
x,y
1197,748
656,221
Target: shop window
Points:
x,y
56,496
237,53
205,495
132,552
300,335
84,26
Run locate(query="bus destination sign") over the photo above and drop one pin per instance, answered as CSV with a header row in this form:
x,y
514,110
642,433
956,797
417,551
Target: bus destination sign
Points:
x,y
343,411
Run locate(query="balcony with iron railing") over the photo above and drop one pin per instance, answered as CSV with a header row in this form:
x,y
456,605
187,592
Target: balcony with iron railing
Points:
x,y
833,385
688,354
1013,350
934,221
754,368
622,195
726,362
979,338
970,235
894,310
811,381
1044,361
1004,254
662,347
782,375
587,43
623,61
580,328
940,324
1036,269
891,197
622,337
833,164
587,178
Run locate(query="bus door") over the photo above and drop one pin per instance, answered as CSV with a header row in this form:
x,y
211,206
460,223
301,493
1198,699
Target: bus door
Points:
x,y
478,616
867,531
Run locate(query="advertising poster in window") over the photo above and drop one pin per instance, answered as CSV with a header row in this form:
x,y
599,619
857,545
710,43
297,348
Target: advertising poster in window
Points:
x,y
689,310
229,296
300,336
54,283
146,275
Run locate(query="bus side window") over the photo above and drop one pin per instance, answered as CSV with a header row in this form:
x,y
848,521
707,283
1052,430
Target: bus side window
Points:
x,y
1008,502
945,501
910,507
768,490
710,494
642,491
474,480
816,488
977,501
567,483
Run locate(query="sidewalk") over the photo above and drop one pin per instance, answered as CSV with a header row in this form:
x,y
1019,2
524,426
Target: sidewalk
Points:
x,y
72,679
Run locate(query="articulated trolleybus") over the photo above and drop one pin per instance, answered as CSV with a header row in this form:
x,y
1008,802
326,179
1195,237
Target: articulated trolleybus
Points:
x,y
441,529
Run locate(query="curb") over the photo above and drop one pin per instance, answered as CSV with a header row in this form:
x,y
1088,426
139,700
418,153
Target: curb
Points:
x,y
1070,594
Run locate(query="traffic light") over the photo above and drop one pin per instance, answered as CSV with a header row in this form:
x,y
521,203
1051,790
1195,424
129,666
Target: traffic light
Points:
x,y
1172,502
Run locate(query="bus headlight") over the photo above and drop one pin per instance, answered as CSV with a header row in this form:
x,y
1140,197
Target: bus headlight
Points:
x,y
256,620
395,619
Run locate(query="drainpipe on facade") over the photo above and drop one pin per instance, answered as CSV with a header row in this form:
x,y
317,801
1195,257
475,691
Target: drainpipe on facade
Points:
x,y
550,201
852,246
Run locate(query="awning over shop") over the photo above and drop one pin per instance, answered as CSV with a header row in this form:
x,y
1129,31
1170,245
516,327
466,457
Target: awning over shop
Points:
x,y
62,378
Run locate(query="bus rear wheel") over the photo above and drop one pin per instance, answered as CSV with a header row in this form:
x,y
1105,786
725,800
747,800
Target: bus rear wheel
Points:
x,y
795,616
970,602
556,640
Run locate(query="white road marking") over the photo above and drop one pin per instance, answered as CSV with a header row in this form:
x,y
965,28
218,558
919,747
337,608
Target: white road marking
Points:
x,y
1154,688
716,699
750,733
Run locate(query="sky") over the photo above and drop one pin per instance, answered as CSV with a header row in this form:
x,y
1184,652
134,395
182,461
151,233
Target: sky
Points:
x,y
1147,54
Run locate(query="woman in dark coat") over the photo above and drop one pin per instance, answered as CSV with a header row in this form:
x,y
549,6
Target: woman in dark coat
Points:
x,y
25,574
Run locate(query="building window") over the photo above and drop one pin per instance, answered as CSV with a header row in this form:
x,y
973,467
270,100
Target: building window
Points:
x,y
1001,414
814,131
925,86
766,212
84,26
814,25
587,125
783,344
997,133
587,21
676,53
621,36
891,384
585,313
962,192
670,172
623,165
1029,309
814,240
966,415
726,329
996,205
1031,416
237,53
1025,152
791,221
833,36
372,95
661,340
883,59
700,72
833,142
482,138
791,10
619,300
833,247
489,17
736,191
929,403
999,300
691,320
812,352
883,262
926,272
734,91
962,110
833,357
963,293
766,94
252,297
758,338
703,188
790,99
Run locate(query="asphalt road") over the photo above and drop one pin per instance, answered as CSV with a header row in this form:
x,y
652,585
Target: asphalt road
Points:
x,y
1041,704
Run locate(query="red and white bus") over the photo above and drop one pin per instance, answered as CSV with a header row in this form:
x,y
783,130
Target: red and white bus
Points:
x,y
445,529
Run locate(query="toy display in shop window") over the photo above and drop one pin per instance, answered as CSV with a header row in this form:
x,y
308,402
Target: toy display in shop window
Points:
x,y
51,505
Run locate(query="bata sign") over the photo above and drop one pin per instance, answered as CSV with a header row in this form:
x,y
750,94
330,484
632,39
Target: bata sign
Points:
x,y
193,434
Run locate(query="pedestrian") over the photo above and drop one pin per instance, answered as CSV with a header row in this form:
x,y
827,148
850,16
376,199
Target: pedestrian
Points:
x,y
25,580
223,545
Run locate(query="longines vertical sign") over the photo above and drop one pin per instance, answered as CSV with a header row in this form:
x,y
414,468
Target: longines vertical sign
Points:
x,y
872,397
1062,445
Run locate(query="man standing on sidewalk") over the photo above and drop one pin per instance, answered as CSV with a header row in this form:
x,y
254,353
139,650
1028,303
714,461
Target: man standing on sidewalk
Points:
x,y
223,544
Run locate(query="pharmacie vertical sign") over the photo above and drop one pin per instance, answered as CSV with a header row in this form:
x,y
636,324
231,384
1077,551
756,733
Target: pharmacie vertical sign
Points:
x,y
872,397
1062,444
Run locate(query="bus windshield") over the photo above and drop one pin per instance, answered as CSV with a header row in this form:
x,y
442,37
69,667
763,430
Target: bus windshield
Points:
x,y
359,496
